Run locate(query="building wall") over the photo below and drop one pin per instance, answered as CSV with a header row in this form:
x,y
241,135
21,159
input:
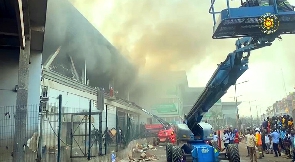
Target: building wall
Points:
x,y
73,101
76,100
9,64
111,117
9,76
217,108
34,78
229,111
170,105
8,80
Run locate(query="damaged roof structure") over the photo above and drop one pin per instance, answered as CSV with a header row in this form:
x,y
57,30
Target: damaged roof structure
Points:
x,y
79,43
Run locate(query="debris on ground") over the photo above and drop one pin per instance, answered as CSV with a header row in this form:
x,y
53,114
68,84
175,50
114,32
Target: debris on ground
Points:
x,y
142,152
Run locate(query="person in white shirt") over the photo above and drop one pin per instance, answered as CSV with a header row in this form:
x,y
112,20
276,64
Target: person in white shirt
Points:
x,y
246,137
215,137
225,139
267,143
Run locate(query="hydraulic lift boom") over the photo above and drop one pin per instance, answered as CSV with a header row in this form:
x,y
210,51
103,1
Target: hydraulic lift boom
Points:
x,y
165,124
255,27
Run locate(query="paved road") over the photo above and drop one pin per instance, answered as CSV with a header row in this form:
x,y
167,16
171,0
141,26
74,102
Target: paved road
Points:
x,y
160,153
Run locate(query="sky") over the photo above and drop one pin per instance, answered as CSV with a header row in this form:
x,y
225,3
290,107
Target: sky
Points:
x,y
176,35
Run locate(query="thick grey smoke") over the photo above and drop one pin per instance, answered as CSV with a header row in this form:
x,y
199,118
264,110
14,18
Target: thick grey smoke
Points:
x,y
67,28
156,35
159,36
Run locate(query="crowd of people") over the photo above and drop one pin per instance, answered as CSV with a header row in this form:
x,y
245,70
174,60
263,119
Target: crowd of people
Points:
x,y
276,135
230,136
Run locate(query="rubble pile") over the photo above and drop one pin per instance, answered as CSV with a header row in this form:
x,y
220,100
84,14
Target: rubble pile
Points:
x,y
141,153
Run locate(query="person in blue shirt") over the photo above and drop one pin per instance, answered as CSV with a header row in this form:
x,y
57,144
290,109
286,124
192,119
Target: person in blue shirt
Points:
x,y
231,135
276,140
282,137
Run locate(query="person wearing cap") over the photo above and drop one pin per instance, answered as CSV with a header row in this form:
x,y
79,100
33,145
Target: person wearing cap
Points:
x,y
246,137
259,143
276,140
251,142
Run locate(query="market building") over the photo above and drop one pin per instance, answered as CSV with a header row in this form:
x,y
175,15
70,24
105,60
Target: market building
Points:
x,y
169,105
221,112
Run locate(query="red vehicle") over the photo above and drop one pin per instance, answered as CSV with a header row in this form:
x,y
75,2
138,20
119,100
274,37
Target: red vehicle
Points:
x,y
152,130
167,135
164,131
163,135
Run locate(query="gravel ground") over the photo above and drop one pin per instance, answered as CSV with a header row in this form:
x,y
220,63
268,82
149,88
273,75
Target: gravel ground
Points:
x,y
161,154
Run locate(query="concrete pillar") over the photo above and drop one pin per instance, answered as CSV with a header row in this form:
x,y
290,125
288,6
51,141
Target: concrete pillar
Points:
x,y
20,133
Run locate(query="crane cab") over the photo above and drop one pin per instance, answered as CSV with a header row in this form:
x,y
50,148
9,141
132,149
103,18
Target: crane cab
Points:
x,y
249,20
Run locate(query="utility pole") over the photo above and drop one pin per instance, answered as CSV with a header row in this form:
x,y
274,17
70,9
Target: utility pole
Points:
x,y
251,113
40,141
89,131
105,141
100,106
251,117
20,139
238,115
257,115
236,100
59,127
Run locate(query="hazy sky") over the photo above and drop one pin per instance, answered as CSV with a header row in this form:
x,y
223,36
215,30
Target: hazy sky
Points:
x,y
176,35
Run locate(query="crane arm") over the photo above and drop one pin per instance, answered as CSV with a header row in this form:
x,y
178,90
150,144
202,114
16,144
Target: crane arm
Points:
x,y
165,124
226,75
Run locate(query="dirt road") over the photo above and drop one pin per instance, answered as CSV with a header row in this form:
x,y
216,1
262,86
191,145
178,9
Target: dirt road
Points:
x,y
161,154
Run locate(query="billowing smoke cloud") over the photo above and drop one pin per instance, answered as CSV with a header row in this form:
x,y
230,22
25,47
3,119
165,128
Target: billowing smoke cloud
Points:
x,y
67,28
159,36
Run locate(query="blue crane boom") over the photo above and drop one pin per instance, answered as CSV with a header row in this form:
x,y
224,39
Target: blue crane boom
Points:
x,y
226,75
235,23
246,24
